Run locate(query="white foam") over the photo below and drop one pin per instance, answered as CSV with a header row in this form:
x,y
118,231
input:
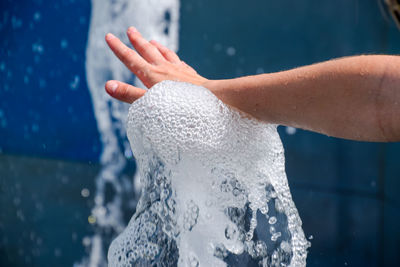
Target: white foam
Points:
x,y
214,186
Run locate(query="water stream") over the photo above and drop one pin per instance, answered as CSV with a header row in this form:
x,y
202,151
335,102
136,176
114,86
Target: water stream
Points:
x,y
215,191
156,19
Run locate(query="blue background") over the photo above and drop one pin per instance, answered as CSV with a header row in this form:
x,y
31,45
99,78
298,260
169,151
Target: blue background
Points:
x,y
347,192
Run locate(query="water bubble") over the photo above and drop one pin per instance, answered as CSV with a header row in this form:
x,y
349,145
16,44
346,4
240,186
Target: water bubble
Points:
x,y
85,192
275,236
37,16
290,130
74,83
37,48
230,51
260,70
249,236
92,219
86,241
128,153
272,220
264,209
63,43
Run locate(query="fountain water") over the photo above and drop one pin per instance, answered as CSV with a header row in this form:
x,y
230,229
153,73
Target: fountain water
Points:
x,y
155,19
214,191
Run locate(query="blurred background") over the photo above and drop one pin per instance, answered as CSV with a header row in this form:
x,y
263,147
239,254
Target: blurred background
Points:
x,y
347,193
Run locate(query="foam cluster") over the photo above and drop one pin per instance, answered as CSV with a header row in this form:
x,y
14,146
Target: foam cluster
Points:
x,y
215,192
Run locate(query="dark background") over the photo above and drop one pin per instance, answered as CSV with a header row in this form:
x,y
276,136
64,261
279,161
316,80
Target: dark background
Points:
x,y
347,193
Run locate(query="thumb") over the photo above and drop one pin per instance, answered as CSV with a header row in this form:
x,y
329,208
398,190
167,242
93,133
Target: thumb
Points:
x,y
123,91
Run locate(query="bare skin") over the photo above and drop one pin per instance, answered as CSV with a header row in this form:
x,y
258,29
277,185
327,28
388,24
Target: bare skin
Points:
x,y
355,98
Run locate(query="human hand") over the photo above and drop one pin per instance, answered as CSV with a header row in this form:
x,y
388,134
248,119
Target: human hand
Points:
x,y
151,63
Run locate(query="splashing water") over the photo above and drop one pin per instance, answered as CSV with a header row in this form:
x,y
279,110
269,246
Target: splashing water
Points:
x,y
214,191
156,19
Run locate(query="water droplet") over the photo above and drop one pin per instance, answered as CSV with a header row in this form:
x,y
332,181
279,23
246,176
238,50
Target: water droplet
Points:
x,y
272,220
260,71
37,16
85,192
63,44
86,241
74,83
290,130
37,48
91,219
230,51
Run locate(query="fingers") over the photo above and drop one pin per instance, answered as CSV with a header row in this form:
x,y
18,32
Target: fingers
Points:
x,y
167,53
144,48
130,58
123,91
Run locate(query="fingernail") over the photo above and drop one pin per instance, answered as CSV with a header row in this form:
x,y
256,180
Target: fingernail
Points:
x,y
132,30
111,87
110,36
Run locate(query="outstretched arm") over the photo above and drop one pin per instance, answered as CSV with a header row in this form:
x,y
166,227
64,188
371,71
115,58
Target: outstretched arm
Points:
x,y
354,98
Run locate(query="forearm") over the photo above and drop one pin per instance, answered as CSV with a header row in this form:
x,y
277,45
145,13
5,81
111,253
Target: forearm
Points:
x,y
354,98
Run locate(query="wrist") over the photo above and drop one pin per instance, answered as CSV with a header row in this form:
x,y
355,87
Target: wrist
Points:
x,y
217,87
226,90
